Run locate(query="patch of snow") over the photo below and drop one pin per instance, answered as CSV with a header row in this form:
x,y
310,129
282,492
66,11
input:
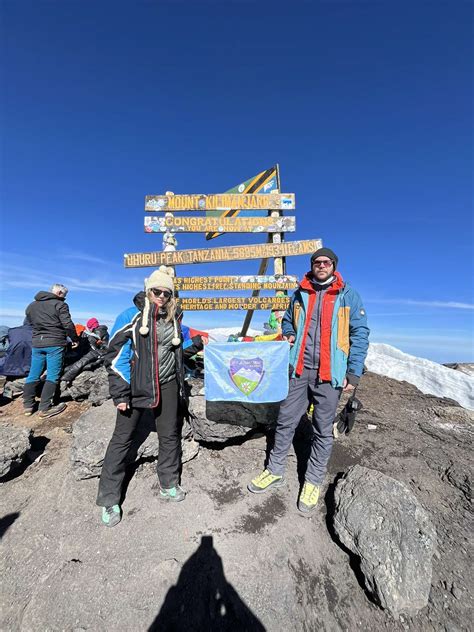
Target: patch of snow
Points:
x,y
429,377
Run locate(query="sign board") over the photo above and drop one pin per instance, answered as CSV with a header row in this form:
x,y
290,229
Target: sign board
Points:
x,y
241,224
220,202
234,302
212,255
267,181
256,282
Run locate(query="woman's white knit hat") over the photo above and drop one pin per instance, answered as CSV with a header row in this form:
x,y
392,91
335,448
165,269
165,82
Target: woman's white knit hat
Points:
x,y
163,277
160,278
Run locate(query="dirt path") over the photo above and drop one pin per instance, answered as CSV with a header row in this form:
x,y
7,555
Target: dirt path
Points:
x,y
225,559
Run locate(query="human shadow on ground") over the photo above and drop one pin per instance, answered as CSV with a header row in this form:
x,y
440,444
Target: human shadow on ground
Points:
x,y
7,521
203,599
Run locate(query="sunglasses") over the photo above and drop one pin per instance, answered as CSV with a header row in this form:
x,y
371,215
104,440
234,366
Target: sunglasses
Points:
x,y
166,293
327,263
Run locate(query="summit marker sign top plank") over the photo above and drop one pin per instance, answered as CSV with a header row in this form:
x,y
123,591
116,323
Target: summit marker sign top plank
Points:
x,y
230,253
220,202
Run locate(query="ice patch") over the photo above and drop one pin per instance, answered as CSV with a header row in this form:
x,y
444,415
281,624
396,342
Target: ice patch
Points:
x,y
429,377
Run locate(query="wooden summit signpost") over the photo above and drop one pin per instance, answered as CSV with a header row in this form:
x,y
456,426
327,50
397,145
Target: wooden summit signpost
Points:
x,y
239,210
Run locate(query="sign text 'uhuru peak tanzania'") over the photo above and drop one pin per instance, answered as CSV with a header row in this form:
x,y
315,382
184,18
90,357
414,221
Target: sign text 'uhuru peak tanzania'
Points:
x,y
230,253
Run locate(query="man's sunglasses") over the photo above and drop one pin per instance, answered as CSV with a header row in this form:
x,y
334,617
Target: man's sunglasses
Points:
x,y
327,263
166,293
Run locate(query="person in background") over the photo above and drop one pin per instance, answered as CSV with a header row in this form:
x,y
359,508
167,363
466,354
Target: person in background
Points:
x,y
52,325
326,326
96,338
152,379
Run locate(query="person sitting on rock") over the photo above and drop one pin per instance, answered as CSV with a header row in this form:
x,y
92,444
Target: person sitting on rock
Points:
x,y
326,326
153,379
95,339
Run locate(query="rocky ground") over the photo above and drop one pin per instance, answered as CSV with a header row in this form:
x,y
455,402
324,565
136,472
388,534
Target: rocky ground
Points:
x,y
225,559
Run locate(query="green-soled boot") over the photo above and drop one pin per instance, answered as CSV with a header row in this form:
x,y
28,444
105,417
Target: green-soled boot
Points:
x,y
111,516
175,494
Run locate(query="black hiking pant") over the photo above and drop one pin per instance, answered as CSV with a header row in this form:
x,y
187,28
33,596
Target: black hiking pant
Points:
x,y
169,454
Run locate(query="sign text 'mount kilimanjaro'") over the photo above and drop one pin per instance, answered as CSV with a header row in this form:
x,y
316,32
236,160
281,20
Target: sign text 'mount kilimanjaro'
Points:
x,y
220,201
230,253
234,302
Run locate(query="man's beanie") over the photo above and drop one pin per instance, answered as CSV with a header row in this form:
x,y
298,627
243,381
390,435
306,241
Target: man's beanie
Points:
x,y
163,277
325,252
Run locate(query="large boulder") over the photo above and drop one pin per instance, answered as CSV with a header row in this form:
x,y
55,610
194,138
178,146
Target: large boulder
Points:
x,y
381,521
218,422
93,431
222,421
90,385
14,443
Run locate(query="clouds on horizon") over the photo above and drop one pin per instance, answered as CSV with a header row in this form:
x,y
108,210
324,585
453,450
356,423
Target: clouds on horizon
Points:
x,y
28,277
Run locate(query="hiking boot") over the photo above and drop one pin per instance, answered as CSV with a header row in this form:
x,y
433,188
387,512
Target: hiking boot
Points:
x,y
111,515
175,494
29,395
265,481
28,411
54,410
309,497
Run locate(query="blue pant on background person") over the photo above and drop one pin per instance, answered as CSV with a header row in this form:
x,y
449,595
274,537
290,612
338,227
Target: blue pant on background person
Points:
x,y
51,359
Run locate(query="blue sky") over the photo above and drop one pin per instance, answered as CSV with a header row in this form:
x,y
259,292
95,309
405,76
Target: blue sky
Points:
x,y
366,106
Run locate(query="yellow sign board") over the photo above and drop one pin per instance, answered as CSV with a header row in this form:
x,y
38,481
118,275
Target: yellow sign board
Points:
x,y
212,255
256,282
234,303
220,202
241,224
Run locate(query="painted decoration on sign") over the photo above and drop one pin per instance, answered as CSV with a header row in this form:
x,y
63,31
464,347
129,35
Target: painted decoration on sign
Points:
x,y
255,372
242,224
265,182
231,253
246,374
